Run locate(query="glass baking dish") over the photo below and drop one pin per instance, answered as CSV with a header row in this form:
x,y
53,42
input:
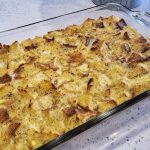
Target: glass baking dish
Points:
x,y
42,27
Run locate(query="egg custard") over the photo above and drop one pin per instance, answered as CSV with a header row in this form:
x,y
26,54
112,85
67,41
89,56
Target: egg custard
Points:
x,y
52,84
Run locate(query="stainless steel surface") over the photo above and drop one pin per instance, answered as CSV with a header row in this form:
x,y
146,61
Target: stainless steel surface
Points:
x,y
138,6
128,3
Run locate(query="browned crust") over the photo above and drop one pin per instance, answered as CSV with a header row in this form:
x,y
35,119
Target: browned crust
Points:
x,y
88,39
5,79
4,48
137,71
126,36
100,25
97,44
31,47
69,111
19,70
146,48
31,59
13,128
113,102
141,39
89,84
121,24
82,110
76,57
127,47
70,46
4,116
135,58
48,39
139,88
43,66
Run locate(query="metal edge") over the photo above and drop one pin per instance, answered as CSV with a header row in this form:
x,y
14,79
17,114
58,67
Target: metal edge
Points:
x,y
72,133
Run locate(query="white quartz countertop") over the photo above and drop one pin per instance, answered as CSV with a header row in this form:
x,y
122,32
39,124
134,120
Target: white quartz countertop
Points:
x,y
128,130
15,13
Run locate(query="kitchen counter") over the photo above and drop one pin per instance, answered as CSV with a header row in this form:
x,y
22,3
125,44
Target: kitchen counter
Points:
x,y
128,130
14,13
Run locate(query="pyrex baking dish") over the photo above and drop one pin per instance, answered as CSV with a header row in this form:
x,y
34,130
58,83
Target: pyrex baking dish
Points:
x,y
41,27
